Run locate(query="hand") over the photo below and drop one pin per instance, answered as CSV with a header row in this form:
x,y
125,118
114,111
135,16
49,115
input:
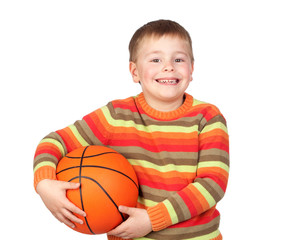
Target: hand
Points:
x,y
53,194
137,225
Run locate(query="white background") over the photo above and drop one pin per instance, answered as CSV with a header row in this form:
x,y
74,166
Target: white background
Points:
x,y
60,60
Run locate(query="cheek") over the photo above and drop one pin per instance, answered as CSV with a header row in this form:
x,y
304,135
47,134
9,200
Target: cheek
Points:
x,y
149,73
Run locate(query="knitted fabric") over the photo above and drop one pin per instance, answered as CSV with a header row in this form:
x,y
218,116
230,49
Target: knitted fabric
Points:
x,y
181,159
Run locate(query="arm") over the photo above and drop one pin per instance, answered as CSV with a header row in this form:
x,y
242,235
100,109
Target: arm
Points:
x,y
209,185
51,150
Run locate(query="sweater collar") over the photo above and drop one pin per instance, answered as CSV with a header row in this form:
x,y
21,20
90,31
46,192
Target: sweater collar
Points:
x,y
179,112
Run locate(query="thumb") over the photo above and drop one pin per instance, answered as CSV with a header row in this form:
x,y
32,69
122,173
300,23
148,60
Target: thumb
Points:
x,y
71,185
126,210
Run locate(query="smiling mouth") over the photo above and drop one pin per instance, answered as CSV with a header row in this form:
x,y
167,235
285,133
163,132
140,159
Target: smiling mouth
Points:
x,y
168,81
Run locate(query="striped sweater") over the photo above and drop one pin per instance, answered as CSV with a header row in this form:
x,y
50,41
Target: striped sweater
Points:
x,y
181,159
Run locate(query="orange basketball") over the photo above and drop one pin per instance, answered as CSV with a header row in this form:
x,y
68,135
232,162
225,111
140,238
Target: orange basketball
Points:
x,y
107,181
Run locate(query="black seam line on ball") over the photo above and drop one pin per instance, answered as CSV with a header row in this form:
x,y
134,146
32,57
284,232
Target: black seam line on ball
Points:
x,y
111,199
80,188
95,166
96,155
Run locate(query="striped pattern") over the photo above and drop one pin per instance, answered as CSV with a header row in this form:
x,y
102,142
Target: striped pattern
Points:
x,y
181,159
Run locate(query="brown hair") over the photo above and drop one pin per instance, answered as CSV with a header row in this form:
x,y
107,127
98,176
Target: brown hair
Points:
x,y
158,28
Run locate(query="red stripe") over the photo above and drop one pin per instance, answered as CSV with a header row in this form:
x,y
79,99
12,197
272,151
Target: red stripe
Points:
x,y
217,145
161,186
154,148
56,154
216,179
94,129
198,220
188,202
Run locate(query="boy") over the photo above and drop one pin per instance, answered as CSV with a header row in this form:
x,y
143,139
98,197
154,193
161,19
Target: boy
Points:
x,y
177,145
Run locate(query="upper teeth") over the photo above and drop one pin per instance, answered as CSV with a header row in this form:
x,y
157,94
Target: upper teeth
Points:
x,y
167,81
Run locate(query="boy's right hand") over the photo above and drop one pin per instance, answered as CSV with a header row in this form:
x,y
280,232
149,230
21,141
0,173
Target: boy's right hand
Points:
x,y
53,194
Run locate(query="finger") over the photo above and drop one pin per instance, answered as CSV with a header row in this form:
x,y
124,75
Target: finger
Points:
x,y
71,217
73,208
118,231
125,209
70,185
64,220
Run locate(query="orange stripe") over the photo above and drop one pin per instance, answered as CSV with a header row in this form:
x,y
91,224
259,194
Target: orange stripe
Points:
x,y
101,123
216,139
152,140
69,139
214,132
200,201
45,146
218,172
186,176
44,172
153,135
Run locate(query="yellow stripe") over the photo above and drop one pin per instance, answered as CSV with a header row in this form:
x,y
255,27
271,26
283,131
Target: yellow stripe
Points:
x,y
208,236
146,202
56,143
164,168
213,164
78,136
197,102
217,125
206,194
43,164
150,128
171,211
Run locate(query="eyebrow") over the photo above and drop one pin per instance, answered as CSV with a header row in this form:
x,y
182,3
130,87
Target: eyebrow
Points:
x,y
159,52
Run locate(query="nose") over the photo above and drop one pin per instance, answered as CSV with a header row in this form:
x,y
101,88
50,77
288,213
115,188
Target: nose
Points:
x,y
168,67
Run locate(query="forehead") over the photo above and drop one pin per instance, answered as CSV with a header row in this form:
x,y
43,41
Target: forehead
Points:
x,y
164,43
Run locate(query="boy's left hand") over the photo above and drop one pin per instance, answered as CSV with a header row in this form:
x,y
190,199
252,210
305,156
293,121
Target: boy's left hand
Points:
x,y
137,225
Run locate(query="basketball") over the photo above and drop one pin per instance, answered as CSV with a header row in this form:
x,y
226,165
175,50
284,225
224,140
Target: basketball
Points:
x,y
107,181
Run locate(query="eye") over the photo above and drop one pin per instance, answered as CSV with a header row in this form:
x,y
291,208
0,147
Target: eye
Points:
x,y
156,60
179,60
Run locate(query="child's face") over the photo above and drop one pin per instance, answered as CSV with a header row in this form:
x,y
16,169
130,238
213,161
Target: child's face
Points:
x,y
164,68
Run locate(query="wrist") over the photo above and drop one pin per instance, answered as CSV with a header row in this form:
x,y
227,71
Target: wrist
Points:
x,y
159,217
42,173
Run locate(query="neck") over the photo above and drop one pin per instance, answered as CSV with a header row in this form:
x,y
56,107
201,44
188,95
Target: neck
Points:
x,y
164,106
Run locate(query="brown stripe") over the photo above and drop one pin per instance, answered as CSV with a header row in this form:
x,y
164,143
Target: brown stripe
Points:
x,y
177,158
45,157
212,187
180,207
153,194
214,151
57,137
128,115
217,118
215,158
87,133
187,232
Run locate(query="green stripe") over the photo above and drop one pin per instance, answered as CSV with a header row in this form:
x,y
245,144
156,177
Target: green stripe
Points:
x,y
149,129
171,211
213,126
207,236
55,142
147,202
213,164
165,168
205,193
78,136
43,164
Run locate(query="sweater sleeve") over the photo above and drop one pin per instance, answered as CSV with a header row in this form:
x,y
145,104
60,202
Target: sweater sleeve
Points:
x,y
210,183
91,130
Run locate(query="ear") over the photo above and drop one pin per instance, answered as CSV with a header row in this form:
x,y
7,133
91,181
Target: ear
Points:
x,y
134,72
192,70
